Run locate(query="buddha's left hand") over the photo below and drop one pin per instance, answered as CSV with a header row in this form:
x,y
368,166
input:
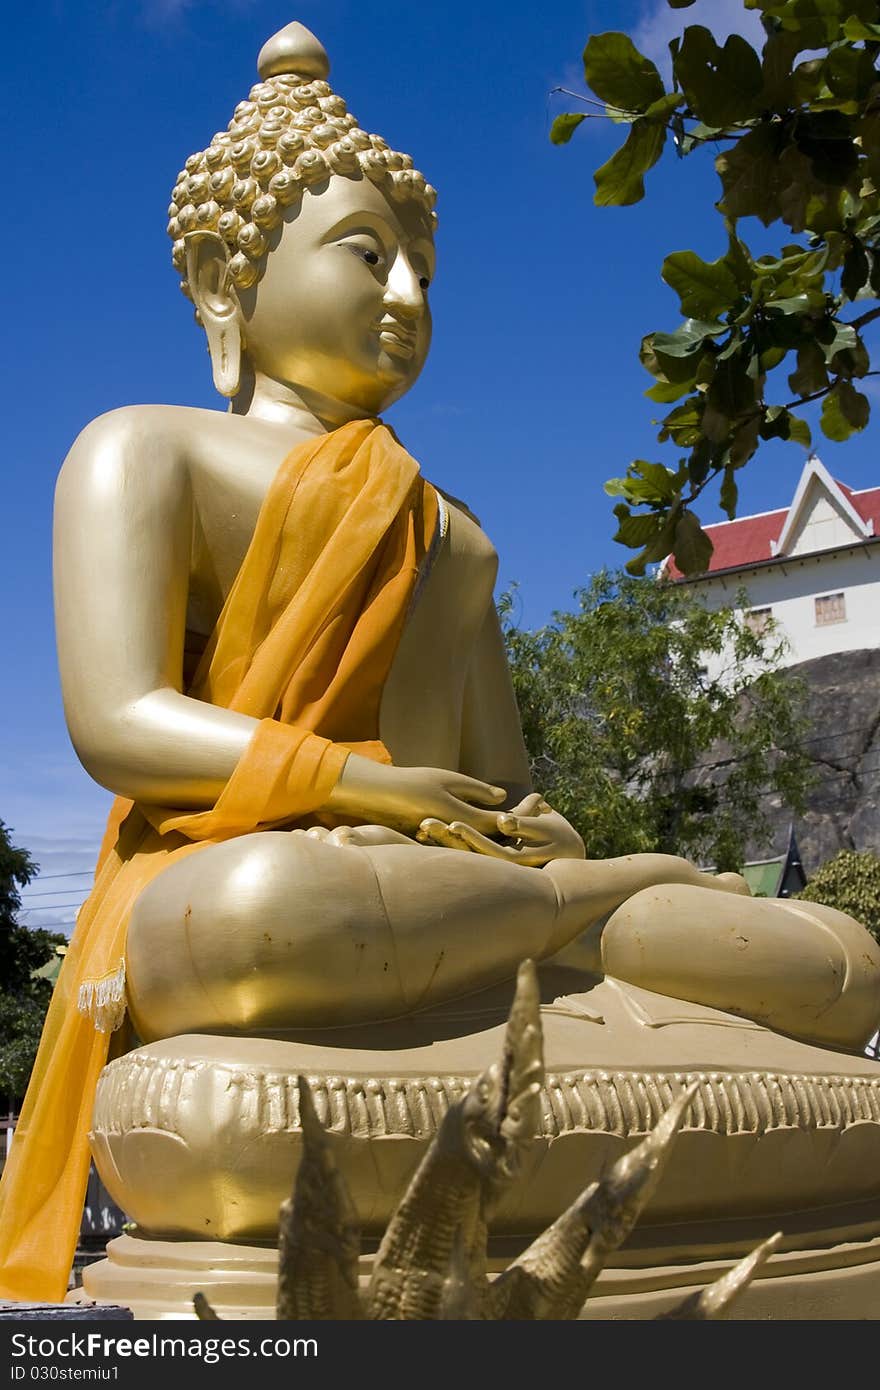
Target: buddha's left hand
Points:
x,y
534,834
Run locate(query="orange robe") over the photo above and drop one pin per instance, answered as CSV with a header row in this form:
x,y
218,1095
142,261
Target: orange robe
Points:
x,y
304,644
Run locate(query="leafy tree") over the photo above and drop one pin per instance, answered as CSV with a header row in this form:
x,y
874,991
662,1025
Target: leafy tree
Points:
x,y
798,128
634,740
23,998
851,883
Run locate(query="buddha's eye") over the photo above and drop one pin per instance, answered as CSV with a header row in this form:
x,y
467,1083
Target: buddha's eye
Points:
x,y
424,281
364,253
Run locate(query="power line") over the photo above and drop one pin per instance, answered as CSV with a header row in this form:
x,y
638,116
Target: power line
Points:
x,y
50,893
55,907
78,873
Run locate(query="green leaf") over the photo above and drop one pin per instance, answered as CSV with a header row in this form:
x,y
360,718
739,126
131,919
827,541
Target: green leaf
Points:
x,y
852,362
657,477
744,441
621,75
706,289
729,494
856,269
691,547
816,22
836,337
799,431
635,531
732,390
619,182
845,411
665,392
855,406
805,201
795,305
750,176
856,29
849,72
658,547
739,259
811,374
826,138
780,51
771,357
688,338
564,127
776,423
644,482
723,86
662,109
683,424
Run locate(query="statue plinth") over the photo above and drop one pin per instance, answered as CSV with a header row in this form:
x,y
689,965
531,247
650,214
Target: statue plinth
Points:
x,y
197,1138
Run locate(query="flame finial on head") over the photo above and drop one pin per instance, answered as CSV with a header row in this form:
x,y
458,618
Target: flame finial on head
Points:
x,y
294,49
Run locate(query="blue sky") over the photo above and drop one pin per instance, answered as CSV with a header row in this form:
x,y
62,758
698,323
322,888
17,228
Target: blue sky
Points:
x,y
533,395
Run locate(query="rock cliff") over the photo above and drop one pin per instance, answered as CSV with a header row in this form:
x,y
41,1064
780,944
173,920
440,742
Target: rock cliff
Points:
x,y
843,805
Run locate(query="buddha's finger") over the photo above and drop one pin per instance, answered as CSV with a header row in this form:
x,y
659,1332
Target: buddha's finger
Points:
x,y
437,832
530,805
469,790
528,856
532,830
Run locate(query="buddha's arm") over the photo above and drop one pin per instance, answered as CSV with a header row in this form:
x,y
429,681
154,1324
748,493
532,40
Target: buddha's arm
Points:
x,y
492,746
123,534
123,538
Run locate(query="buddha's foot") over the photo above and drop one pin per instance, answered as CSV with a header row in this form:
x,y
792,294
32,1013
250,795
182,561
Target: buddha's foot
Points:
x,y
358,836
800,968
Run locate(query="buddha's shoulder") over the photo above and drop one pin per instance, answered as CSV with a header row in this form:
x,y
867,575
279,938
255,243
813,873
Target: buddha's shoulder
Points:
x,y
179,429
161,443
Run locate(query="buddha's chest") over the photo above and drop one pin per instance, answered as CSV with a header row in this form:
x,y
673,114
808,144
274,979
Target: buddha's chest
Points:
x,y
422,702
447,611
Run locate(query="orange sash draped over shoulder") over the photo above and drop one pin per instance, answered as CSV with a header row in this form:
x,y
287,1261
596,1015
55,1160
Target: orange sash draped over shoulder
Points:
x,y
304,644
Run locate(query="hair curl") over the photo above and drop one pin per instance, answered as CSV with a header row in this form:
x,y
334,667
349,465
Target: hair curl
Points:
x,y
288,135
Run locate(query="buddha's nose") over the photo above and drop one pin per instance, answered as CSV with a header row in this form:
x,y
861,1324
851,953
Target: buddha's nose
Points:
x,y
404,295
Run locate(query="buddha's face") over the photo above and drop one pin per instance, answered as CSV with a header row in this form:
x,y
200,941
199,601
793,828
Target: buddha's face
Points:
x,y
342,305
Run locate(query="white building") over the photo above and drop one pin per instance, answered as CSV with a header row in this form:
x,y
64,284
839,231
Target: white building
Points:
x,y
814,566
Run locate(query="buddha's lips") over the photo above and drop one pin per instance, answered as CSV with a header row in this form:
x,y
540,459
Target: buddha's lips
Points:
x,y
397,339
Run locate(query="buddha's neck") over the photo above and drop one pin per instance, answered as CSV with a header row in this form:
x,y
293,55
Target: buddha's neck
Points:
x,y
283,403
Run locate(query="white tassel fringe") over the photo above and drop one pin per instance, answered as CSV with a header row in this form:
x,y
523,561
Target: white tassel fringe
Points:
x,y
103,1000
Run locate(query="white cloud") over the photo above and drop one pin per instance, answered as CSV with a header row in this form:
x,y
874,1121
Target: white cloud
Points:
x,y
659,24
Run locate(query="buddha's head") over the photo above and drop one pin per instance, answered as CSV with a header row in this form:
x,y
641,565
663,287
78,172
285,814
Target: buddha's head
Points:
x,y
305,244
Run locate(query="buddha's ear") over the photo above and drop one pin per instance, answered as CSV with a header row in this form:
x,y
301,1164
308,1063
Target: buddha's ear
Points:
x,y
216,299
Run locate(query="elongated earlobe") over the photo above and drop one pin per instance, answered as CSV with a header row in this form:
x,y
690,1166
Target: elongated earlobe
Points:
x,y
216,300
226,361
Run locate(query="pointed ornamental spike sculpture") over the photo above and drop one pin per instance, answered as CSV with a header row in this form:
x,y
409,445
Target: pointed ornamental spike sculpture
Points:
x,y
715,1299
319,1234
552,1278
475,1154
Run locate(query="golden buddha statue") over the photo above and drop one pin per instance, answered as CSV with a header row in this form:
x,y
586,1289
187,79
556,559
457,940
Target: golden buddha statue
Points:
x,y
279,648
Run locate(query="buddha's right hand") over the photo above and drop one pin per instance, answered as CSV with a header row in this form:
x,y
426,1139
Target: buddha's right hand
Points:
x,y
403,797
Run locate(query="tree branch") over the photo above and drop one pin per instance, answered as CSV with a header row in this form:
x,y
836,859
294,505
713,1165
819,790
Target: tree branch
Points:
x,y
817,395
866,318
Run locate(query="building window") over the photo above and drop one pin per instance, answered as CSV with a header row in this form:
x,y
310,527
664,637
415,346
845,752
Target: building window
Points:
x,y
758,619
830,608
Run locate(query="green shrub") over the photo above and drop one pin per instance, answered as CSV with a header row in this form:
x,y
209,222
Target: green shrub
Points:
x,y
851,883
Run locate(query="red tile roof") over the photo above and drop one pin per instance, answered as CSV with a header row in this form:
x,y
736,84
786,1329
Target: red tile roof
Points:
x,y
747,541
